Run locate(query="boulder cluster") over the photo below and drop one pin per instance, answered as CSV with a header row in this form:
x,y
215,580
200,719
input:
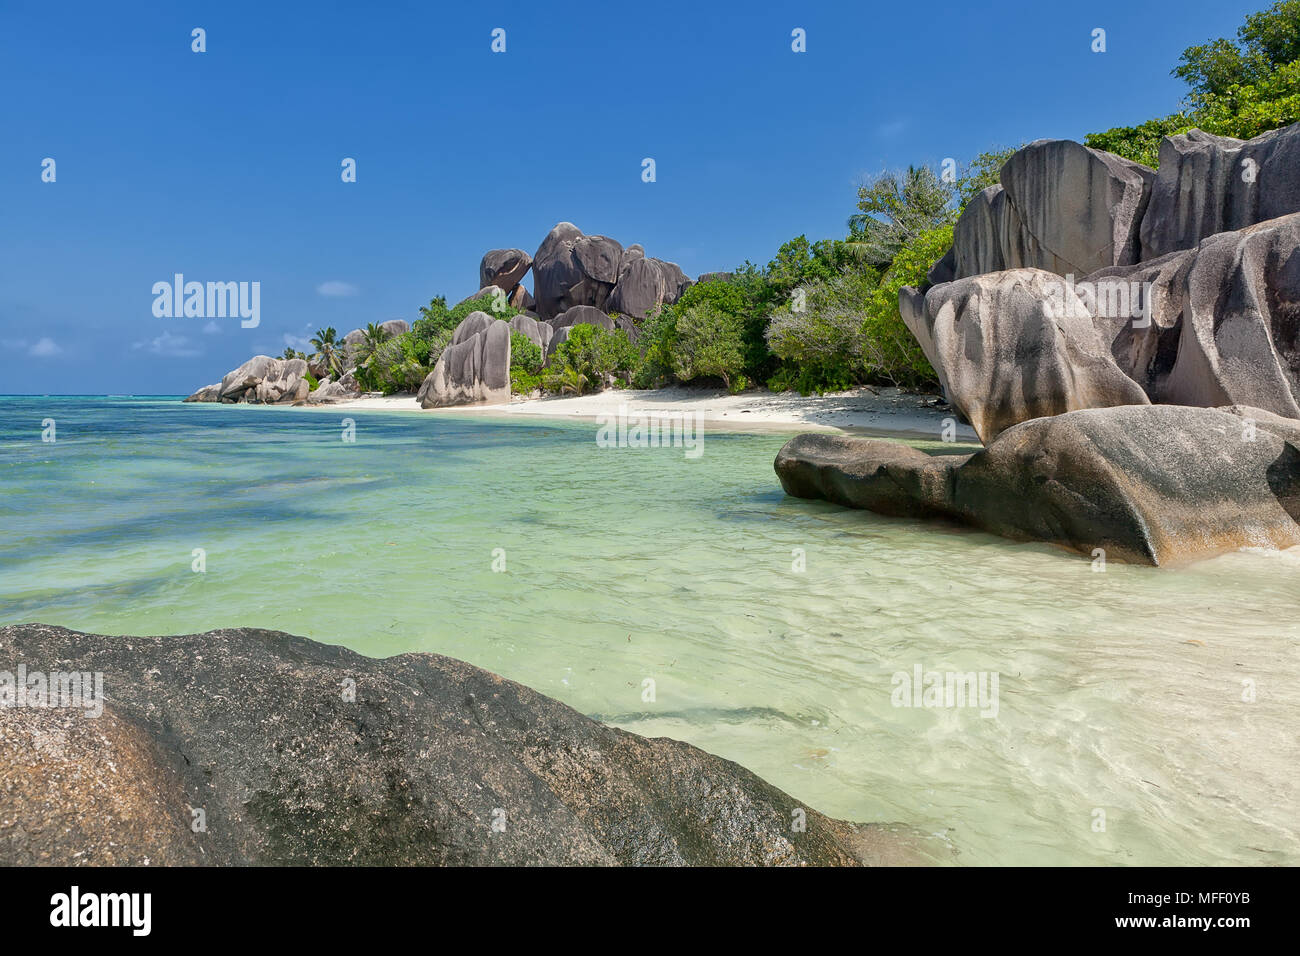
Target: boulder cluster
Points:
x,y
264,380
1085,280
1083,296
577,280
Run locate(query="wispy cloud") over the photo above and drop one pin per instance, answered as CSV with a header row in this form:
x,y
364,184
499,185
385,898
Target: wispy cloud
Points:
x,y
45,347
212,329
892,129
297,342
335,289
169,346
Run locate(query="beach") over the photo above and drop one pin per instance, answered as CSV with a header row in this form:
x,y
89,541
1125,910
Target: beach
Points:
x,y
889,411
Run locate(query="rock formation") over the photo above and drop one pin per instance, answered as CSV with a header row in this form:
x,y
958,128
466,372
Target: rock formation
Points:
x,y
571,269
1190,313
474,369
1014,346
1157,484
301,753
1210,184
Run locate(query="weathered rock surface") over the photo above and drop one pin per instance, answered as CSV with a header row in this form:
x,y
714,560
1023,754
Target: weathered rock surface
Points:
x,y
208,393
572,269
1209,184
1011,346
1157,484
540,333
1081,207
644,285
470,326
1061,206
258,730
1224,321
504,268
235,383
285,380
474,371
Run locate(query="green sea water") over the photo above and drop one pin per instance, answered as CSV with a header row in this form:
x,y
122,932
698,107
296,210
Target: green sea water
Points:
x,y
1145,716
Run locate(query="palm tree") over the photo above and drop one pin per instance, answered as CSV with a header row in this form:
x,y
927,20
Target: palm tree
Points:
x,y
374,337
893,210
327,349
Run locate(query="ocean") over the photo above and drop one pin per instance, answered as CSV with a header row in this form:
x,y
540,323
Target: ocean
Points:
x,y
1140,715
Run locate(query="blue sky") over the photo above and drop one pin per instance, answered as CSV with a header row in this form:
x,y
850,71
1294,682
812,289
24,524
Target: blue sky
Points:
x,y
225,165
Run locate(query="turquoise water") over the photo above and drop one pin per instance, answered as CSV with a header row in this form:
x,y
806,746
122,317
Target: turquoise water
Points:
x,y
1119,691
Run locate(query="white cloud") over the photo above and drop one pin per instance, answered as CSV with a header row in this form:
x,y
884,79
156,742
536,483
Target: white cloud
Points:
x,y
169,346
212,329
335,289
45,348
297,342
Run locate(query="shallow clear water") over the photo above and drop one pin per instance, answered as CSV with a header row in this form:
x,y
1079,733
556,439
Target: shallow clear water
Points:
x,y
1119,691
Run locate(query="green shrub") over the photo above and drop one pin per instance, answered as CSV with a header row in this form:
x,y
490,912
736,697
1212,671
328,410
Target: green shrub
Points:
x,y
588,357
710,344
1237,87
890,351
822,344
524,353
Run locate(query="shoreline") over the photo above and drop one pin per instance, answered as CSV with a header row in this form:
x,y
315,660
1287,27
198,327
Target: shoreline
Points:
x,y
860,411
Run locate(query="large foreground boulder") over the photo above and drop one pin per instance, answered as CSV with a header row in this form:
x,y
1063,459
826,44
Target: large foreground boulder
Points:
x,y
1156,484
1011,346
473,371
1209,184
292,752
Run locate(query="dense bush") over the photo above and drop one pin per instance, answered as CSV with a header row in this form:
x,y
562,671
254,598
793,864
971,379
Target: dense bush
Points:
x,y
1239,88
526,360
709,343
589,359
820,339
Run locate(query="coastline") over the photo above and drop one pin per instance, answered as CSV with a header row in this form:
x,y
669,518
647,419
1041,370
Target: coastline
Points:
x,y
858,411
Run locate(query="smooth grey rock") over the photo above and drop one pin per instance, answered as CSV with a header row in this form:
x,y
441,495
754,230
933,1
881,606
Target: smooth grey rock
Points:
x,y
1153,484
285,380
574,269
394,327
208,393
1011,346
470,326
539,333
476,371
504,268
1060,206
582,315
235,383
1209,184
414,770
1082,206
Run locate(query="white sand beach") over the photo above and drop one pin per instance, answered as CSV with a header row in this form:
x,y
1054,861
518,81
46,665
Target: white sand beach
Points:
x,y
861,410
